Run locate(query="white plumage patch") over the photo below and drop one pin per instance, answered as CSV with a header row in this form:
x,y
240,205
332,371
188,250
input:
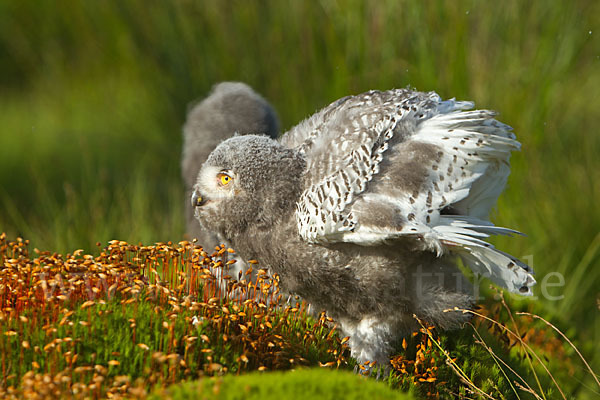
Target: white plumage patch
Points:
x,y
369,339
345,145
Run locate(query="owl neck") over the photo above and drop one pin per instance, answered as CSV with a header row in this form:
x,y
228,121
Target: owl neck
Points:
x,y
264,240
261,218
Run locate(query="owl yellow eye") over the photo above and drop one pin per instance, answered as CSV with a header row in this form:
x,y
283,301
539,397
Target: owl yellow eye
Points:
x,y
224,179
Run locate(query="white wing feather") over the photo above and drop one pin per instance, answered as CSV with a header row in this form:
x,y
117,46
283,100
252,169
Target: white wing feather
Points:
x,y
355,149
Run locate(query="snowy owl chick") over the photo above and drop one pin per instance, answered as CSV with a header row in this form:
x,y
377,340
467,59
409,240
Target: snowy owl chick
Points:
x,y
363,209
231,107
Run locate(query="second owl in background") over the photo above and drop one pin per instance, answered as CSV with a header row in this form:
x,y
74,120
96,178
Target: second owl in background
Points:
x,y
231,108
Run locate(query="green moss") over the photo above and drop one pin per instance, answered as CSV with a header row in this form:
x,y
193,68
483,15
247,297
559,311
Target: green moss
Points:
x,y
301,384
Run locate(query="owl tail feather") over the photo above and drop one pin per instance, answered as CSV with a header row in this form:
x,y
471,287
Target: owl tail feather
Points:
x,y
463,236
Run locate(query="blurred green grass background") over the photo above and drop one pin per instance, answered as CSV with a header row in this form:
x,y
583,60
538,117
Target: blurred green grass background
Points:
x,y
94,94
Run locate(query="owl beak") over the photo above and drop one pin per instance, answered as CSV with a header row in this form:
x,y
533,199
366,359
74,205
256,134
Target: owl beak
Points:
x,y
197,199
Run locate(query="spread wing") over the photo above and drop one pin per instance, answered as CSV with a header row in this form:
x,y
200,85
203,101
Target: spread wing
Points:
x,y
404,165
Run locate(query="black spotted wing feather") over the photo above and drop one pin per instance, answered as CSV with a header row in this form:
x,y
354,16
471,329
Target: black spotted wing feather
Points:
x,y
401,164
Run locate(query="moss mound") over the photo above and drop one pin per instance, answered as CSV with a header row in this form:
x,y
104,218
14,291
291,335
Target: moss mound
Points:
x,y
300,384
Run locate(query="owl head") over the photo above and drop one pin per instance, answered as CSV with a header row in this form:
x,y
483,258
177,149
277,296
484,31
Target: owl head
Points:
x,y
247,181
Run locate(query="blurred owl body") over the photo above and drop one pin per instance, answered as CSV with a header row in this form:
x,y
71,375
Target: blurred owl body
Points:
x,y
363,208
231,108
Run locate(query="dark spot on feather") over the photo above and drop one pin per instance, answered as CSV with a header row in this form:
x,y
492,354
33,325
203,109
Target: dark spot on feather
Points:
x,y
337,190
412,201
511,265
345,178
434,167
428,219
320,195
411,217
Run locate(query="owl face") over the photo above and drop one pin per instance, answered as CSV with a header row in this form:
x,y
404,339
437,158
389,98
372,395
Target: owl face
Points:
x,y
247,180
216,187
